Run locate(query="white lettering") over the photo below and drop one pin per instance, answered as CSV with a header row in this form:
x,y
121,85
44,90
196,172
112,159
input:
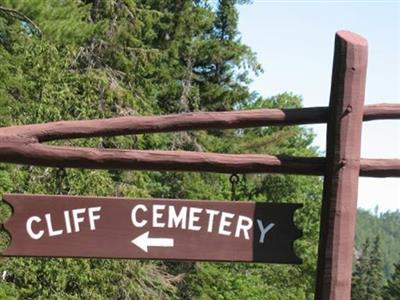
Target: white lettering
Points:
x,y
264,230
157,215
32,234
241,226
212,213
71,222
52,232
93,217
133,215
224,223
76,218
194,218
67,221
175,219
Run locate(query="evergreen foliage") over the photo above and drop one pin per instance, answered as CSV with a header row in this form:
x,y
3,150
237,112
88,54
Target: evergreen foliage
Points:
x,y
99,59
387,226
367,282
392,289
360,274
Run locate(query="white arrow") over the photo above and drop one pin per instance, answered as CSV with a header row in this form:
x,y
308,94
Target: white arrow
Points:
x,y
143,241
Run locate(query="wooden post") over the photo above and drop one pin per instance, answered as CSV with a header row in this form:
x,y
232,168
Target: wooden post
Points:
x,y
339,204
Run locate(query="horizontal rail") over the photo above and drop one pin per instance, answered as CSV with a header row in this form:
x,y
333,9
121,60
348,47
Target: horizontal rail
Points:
x,y
189,121
77,157
380,167
381,111
174,122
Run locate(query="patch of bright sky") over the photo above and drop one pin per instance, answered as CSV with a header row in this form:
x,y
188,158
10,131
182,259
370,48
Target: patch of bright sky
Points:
x,y
294,43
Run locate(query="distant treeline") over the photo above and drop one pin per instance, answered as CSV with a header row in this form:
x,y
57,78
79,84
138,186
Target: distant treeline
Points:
x,y
376,270
387,227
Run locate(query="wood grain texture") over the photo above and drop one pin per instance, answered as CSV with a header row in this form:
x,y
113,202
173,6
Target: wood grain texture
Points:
x,y
28,151
380,167
382,111
339,205
74,157
24,151
112,234
167,123
341,167
188,121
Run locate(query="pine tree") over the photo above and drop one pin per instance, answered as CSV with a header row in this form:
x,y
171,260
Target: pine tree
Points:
x,y
367,282
392,288
97,59
359,285
387,225
375,274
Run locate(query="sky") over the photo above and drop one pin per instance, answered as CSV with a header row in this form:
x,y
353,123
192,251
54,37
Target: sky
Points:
x,y
294,43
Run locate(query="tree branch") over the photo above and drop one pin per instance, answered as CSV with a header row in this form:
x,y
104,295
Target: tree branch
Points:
x,y
20,16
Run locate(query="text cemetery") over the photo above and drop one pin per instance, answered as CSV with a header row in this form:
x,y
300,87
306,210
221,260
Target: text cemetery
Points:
x,y
66,226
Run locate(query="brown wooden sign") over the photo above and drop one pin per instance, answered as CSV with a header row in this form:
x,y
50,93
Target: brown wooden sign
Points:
x,y
205,230
69,226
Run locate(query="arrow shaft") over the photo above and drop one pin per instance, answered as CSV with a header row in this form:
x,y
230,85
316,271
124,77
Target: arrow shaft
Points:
x,y
160,242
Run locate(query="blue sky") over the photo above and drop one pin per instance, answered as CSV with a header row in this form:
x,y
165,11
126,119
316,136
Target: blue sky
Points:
x,y
294,43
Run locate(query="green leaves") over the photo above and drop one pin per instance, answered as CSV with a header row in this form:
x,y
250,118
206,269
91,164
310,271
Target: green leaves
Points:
x,y
367,282
392,288
101,59
387,226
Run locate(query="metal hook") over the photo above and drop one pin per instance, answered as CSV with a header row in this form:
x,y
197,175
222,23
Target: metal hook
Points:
x,y
61,174
233,179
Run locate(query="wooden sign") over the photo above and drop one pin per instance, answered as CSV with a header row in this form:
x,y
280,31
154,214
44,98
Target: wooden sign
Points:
x,y
69,226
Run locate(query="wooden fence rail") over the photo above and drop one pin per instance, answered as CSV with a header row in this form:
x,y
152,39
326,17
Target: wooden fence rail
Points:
x,y
33,153
340,168
21,144
381,111
380,167
188,121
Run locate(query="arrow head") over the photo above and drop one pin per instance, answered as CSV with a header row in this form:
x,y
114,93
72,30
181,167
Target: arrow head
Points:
x,y
142,241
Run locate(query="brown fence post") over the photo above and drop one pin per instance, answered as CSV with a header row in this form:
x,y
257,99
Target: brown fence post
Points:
x,y
339,204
